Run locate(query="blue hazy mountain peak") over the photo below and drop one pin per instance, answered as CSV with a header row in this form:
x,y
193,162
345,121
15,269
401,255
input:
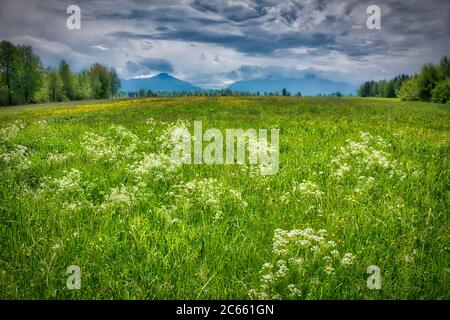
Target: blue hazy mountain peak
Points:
x,y
309,85
160,82
163,75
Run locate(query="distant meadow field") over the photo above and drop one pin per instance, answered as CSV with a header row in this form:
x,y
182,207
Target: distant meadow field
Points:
x,y
358,209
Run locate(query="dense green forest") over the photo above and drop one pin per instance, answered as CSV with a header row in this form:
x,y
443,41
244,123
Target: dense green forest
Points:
x,y
432,83
382,88
23,79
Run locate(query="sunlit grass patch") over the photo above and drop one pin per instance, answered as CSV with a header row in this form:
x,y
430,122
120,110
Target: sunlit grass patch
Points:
x,y
363,182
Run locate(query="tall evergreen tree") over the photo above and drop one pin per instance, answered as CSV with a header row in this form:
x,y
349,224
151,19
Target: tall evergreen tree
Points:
x,y
410,90
388,89
84,87
31,73
444,65
67,79
115,82
101,81
54,85
429,76
8,68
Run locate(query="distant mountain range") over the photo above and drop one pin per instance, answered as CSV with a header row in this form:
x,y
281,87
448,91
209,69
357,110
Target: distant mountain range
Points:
x,y
160,82
309,85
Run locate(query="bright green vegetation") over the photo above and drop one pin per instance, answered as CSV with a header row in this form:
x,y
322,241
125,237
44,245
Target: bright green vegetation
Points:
x,y
24,80
361,183
432,83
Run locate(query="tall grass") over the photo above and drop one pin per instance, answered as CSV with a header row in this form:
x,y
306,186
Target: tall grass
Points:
x,y
370,177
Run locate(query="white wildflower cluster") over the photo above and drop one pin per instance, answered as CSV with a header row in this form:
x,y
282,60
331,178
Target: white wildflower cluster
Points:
x,y
265,152
68,190
395,205
99,147
173,133
364,184
43,123
118,143
167,213
260,159
160,166
120,198
417,173
297,254
76,206
157,165
70,182
13,155
254,171
124,134
285,198
59,157
10,131
306,188
73,192
348,259
365,156
18,156
151,123
209,194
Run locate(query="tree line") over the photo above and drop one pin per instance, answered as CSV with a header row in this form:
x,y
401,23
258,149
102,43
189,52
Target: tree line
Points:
x,y
432,83
142,93
23,79
383,88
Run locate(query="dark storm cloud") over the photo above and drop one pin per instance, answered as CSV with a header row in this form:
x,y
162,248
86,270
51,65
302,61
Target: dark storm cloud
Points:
x,y
234,11
262,27
250,44
246,34
316,31
149,64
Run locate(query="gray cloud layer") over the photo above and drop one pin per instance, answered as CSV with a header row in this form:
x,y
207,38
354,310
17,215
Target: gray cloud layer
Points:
x,y
212,42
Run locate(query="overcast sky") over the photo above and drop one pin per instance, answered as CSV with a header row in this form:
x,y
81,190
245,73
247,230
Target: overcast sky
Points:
x,y
213,43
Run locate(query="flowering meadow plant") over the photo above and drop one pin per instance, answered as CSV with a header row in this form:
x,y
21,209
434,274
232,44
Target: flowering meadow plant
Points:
x,y
96,186
298,255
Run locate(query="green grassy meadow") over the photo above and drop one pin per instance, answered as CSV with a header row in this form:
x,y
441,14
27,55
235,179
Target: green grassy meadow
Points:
x,y
361,182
